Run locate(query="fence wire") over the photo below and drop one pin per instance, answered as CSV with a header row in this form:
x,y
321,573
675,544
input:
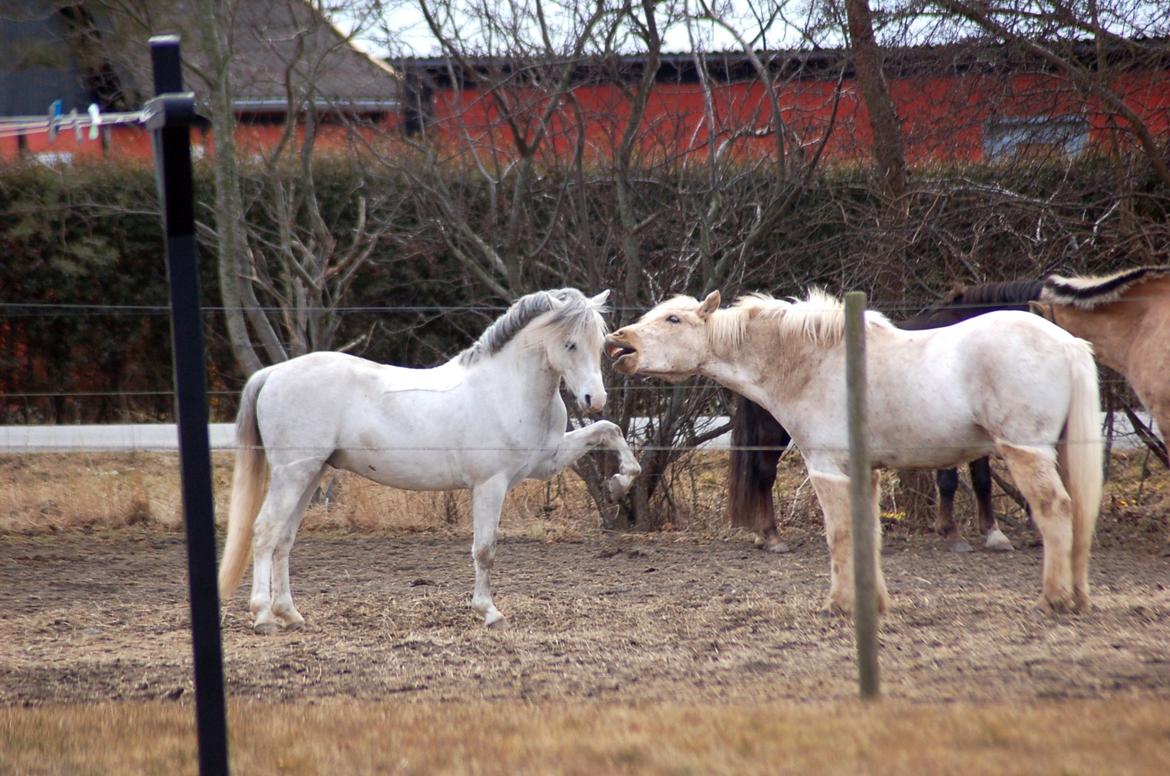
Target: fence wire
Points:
x,y
644,428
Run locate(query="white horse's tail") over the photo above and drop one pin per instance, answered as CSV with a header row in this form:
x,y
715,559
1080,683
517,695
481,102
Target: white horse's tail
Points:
x,y
1084,475
248,486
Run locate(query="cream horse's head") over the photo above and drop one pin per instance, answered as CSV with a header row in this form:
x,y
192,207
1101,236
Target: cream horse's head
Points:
x,y
670,341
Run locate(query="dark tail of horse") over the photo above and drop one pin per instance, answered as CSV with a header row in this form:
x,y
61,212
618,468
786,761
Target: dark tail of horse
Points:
x,y
757,440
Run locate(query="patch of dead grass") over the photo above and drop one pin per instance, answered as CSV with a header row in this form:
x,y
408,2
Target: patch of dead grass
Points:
x,y
355,737
49,493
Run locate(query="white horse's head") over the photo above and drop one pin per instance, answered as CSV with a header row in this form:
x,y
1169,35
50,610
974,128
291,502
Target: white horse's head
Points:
x,y
670,342
576,335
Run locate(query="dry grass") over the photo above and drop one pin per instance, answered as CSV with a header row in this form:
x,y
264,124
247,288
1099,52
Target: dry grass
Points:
x,y
49,493
44,494
1118,737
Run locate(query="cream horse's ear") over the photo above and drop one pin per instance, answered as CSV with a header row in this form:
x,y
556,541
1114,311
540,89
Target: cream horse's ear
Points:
x,y
600,299
709,305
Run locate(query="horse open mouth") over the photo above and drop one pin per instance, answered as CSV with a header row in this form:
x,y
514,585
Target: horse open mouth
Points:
x,y
624,357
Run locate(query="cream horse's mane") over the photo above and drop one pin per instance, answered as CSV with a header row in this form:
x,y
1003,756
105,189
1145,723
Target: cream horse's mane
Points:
x,y
819,318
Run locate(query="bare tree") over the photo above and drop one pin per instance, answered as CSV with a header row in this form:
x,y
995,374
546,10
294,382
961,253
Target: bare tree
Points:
x,y
1123,34
526,180
280,283
883,120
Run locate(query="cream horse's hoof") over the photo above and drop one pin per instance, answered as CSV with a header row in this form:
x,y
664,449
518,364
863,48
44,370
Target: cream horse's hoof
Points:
x,y
265,628
495,620
1061,603
837,608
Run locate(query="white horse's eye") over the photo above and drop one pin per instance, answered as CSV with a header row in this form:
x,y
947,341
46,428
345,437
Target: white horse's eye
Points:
x,y
571,346
672,319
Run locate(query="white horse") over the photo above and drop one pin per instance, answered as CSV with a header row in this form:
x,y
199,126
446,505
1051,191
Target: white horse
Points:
x,y
487,419
1009,383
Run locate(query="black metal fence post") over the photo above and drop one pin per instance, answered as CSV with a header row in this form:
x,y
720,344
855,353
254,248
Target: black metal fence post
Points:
x,y
169,115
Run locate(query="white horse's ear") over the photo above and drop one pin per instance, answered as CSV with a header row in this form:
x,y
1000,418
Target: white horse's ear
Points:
x,y
709,305
600,299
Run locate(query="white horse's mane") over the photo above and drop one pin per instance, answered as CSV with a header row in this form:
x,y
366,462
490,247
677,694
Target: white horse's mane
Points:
x,y
573,314
819,318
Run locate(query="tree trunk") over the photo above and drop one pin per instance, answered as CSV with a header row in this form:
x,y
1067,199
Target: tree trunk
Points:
x,y
229,207
916,489
883,121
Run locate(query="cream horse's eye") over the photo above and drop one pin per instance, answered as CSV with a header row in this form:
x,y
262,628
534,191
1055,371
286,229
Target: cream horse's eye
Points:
x,y
570,346
673,319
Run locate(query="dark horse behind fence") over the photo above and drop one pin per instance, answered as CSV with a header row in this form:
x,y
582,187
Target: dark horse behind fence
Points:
x,y
1126,307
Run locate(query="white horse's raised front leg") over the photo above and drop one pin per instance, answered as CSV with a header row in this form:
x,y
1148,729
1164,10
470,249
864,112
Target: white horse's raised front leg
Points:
x,y
602,434
487,499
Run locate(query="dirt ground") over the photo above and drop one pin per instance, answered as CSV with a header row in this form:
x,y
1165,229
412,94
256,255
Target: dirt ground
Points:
x,y
100,616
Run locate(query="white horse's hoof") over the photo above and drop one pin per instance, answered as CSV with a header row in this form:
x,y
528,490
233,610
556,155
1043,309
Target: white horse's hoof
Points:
x,y
495,620
265,628
997,542
778,547
958,545
619,485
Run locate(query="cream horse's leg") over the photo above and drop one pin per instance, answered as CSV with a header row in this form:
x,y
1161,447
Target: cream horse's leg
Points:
x,y
289,488
833,494
576,443
1034,471
487,499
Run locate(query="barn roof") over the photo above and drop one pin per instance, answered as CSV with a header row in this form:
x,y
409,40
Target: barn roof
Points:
x,y
729,66
97,51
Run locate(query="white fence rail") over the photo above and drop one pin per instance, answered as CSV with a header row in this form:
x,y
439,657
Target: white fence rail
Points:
x,y
163,437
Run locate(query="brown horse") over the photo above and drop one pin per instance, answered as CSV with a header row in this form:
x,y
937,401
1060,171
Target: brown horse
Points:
x,y
1126,316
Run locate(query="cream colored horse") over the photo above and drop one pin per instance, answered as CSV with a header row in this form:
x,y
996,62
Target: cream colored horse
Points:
x,y
1006,382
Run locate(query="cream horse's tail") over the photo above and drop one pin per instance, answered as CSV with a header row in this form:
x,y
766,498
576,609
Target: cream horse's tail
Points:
x,y
248,486
1083,450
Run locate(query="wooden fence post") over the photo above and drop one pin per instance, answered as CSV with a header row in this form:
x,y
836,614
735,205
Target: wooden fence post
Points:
x,y
861,497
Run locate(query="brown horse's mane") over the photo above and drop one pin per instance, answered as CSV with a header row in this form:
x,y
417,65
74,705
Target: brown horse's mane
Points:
x,y
1091,290
963,302
1009,292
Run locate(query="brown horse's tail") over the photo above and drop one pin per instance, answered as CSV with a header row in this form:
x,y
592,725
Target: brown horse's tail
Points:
x,y
248,481
757,440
